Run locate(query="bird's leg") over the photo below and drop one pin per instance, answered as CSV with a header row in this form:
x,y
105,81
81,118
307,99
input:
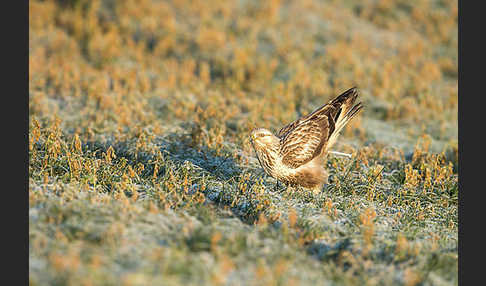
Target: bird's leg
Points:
x,y
275,188
290,188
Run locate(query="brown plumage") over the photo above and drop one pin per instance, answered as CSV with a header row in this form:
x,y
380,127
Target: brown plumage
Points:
x,y
296,155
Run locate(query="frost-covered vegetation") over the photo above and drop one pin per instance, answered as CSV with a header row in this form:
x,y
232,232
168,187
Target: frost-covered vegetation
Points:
x,y
140,168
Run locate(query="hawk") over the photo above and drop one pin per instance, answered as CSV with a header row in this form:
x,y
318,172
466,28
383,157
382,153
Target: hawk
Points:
x,y
296,154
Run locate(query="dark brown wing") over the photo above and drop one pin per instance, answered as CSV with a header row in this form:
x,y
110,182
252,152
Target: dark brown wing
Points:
x,y
305,138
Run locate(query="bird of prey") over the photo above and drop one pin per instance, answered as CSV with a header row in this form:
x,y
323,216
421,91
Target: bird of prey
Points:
x,y
296,155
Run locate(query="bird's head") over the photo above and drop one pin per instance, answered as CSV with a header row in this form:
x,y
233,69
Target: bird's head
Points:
x,y
262,137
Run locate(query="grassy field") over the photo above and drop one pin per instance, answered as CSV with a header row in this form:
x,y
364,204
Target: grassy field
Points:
x,y
140,167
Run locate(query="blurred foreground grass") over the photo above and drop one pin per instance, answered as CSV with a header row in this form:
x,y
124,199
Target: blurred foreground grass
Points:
x,y
140,171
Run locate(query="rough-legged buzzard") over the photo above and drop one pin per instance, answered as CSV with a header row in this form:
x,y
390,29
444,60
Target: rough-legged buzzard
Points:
x,y
296,155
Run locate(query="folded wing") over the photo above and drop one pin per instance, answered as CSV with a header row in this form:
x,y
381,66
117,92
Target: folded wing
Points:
x,y
307,137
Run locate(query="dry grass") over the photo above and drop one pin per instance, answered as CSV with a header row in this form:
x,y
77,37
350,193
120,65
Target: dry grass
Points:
x,y
140,168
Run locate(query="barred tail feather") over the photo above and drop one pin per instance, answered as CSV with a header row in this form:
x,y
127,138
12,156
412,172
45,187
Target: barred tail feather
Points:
x,y
343,120
348,111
